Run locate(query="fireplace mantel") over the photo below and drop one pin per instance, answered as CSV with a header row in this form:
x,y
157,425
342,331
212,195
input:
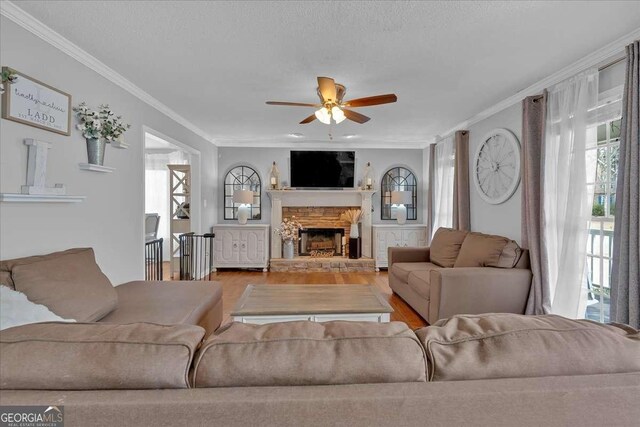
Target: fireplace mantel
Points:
x,y
292,198
320,197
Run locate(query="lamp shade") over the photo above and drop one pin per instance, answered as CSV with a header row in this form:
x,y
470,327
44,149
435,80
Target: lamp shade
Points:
x,y
323,115
337,114
244,197
401,197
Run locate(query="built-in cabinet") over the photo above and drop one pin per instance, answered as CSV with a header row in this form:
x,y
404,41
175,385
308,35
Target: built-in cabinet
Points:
x,y
385,236
241,246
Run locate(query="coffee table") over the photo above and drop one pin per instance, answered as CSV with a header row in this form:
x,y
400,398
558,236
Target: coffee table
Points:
x,y
263,304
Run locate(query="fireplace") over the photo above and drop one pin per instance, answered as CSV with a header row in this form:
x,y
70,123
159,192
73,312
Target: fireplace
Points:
x,y
324,241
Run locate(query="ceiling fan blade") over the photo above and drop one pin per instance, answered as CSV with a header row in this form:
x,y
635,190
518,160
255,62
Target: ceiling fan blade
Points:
x,y
308,119
293,104
372,100
356,117
327,88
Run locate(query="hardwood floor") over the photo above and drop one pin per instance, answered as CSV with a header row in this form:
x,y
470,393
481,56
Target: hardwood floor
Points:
x,y
235,281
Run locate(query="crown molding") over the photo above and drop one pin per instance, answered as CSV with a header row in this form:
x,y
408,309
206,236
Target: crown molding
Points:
x,y
596,58
338,143
39,29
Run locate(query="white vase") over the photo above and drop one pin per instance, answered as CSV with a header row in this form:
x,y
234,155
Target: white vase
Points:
x,y
243,214
354,233
401,214
287,249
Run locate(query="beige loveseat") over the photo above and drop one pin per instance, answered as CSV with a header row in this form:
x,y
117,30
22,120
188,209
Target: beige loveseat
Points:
x,y
461,273
71,284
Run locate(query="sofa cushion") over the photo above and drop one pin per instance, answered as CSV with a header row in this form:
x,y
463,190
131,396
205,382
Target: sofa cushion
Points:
x,y
481,250
309,353
6,280
468,347
510,256
169,303
403,269
7,266
445,246
70,284
92,356
420,281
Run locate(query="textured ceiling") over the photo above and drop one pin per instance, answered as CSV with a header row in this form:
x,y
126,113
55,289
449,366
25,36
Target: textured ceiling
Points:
x,y
216,63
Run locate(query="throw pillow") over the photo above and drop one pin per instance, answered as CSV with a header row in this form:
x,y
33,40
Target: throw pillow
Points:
x,y
445,246
481,250
71,285
17,310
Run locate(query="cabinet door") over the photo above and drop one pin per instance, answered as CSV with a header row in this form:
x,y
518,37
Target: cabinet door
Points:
x,y
226,246
385,239
413,237
252,247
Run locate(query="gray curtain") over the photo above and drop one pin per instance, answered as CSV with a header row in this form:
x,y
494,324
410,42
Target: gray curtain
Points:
x,y
461,208
534,110
625,274
432,157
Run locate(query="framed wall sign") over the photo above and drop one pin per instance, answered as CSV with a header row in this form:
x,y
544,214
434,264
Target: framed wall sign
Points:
x,y
37,104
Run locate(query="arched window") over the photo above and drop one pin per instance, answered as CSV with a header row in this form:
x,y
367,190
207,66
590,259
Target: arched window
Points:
x,y
242,178
398,179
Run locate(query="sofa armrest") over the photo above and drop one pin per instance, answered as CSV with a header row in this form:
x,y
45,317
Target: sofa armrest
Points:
x,y
407,254
475,290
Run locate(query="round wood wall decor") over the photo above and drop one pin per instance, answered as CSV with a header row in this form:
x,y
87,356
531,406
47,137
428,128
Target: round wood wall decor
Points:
x,y
496,166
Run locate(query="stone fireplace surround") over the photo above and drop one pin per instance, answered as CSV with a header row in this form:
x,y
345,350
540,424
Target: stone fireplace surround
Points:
x,y
319,217
320,209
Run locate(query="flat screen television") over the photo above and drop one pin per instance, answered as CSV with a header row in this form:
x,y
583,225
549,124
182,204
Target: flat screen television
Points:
x,y
322,169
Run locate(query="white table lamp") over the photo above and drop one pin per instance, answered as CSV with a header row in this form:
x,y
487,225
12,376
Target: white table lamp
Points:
x,y
400,199
245,198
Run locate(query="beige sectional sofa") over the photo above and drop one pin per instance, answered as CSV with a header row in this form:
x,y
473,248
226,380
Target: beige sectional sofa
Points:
x,y
461,273
72,285
496,369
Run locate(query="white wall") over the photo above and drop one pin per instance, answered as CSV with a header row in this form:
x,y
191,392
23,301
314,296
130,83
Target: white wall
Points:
x,y
262,158
111,218
502,219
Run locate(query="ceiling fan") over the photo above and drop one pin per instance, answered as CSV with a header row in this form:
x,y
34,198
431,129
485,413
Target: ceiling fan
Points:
x,y
333,107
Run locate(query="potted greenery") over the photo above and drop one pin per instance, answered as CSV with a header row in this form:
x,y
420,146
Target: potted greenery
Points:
x,y
8,76
113,127
288,231
91,127
99,128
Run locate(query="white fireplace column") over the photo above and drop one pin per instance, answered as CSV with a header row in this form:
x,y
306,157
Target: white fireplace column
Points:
x,y
366,224
276,219
320,198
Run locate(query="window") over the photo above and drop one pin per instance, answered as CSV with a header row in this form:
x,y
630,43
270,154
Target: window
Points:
x,y
398,179
600,241
242,178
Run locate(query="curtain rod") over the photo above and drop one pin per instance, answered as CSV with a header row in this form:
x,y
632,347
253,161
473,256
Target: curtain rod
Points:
x,y
612,63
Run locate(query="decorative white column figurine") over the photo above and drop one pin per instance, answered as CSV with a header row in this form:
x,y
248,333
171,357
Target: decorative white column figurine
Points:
x,y
37,170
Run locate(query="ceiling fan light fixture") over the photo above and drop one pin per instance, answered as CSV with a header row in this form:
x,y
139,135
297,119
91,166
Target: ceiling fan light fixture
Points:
x,y
337,114
323,115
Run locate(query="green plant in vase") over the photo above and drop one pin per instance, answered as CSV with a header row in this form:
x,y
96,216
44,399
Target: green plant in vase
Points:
x,y
8,76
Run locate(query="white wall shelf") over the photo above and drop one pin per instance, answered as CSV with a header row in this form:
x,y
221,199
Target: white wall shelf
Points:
x,y
95,168
39,198
120,145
